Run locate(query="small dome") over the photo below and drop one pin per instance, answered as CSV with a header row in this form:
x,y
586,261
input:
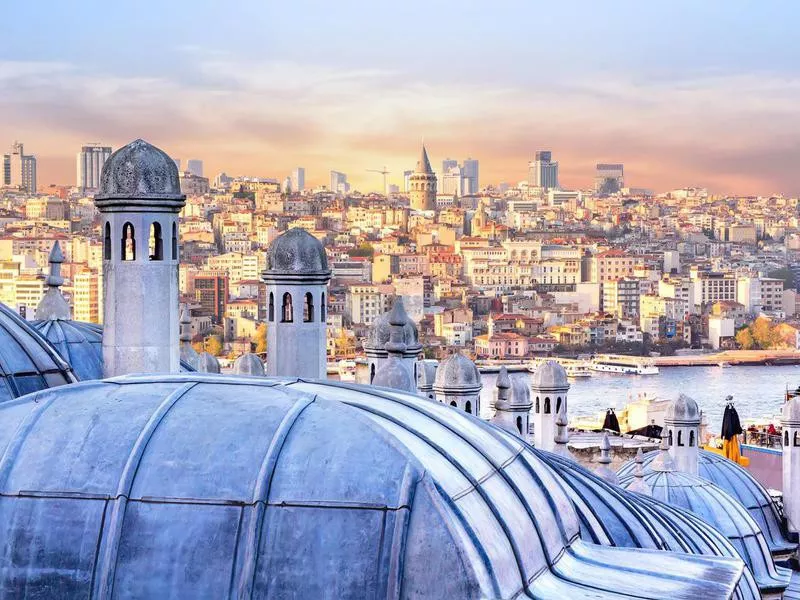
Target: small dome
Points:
x,y
457,373
426,373
394,374
28,362
79,344
140,171
207,363
381,329
791,412
683,410
248,364
296,251
549,376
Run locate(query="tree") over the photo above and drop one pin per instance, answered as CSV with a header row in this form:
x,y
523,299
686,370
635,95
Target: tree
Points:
x,y
763,333
744,338
214,345
261,338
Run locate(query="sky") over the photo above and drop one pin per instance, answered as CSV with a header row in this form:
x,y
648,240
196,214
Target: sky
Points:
x,y
682,92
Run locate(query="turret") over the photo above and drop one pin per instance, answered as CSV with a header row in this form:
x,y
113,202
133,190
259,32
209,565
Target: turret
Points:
x,y
394,372
512,404
682,423
187,352
139,201
549,388
297,278
422,184
790,421
53,306
458,383
561,438
375,344
426,376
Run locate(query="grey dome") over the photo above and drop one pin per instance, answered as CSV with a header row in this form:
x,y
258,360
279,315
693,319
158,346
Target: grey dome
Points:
x,y
717,508
426,373
394,374
219,487
791,412
296,252
379,332
612,516
457,373
80,344
740,484
140,171
549,375
683,410
28,363
207,363
248,364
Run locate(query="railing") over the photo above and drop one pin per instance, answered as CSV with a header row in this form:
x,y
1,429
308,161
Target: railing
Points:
x,y
762,438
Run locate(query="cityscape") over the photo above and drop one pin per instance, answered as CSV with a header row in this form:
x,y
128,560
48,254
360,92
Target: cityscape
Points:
x,y
297,302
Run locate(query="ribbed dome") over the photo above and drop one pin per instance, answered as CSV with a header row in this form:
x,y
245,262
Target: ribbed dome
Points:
x,y
612,516
683,410
393,373
740,484
379,336
140,171
296,251
549,375
791,412
248,364
457,372
219,486
207,363
717,508
28,363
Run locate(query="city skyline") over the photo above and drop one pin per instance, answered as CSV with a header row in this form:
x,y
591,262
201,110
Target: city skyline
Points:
x,y
710,111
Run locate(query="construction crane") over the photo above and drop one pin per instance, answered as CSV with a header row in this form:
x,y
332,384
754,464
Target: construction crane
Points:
x,y
383,172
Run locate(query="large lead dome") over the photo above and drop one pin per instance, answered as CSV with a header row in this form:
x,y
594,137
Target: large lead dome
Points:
x,y
232,487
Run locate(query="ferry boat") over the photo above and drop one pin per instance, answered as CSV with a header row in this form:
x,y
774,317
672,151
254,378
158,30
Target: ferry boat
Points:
x,y
623,365
575,368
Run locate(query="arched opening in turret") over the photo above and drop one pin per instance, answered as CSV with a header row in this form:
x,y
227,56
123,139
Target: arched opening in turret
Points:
x,y
519,425
322,315
796,439
271,311
691,439
308,308
107,242
372,373
680,438
558,405
547,405
156,243
453,403
174,241
785,438
537,405
287,313
670,437
128,247
468,407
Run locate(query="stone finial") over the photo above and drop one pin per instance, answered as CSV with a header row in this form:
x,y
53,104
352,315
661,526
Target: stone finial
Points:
x,y
503,385
394,373
604,471
186,324
639,484
248,364
207,363
663,462
52,306
397,320
561,438
188,353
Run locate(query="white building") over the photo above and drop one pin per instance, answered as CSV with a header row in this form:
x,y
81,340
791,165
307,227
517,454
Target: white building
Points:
x,y
90,161
298,179
542,171
21,170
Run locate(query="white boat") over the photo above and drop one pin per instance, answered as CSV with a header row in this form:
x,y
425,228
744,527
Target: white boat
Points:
x,y
575,368
622,365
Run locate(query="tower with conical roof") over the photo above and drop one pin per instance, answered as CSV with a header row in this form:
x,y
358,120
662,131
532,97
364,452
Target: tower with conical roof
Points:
x,y
139,201
297,278
422,184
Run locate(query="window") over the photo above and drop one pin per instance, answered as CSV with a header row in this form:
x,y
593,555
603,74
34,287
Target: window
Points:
x,y
558,405
156,244
691,438
680,438
372,373
174,241
322,316
785,438
107,242
271,307
796,439
537,405
453,403
287,312
308,308
128,248
468,407
547,405
519,425
670,437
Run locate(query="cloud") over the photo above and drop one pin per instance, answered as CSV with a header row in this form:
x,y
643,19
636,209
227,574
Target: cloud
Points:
x,y
732,133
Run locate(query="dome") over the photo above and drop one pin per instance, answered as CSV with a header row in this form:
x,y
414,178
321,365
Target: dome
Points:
x,y
426,373
248,364
457,373
549,375
683,410
614,517
194,486
717,508
297,252
393,373
791,412
139,171
207,363
375,343
28,363
740,484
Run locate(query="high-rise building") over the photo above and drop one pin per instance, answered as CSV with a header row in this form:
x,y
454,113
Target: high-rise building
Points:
x,y
87,297
298,179
469,170
448,163
91,159
211,292
542,171
453,181
21,169
407,181
5,174
339,183
195,167
608,178
422,184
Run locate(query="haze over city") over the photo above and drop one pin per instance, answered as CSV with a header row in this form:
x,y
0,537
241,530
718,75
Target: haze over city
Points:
x,y
679,93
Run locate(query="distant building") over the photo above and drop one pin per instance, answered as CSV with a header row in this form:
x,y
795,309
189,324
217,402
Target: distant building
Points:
x,y
211,292
470,172
90,161
542,171
87,297
195,167
298,179
423,184
19,169
193,185
339,183
406,179
609,178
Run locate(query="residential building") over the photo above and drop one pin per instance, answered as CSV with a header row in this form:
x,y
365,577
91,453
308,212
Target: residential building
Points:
x,y
87,297
211,293
21,169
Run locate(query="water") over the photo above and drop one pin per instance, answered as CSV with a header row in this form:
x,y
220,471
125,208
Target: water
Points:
x,y
758,392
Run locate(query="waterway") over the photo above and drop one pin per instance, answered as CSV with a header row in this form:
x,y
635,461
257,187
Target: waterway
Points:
x,y
758,392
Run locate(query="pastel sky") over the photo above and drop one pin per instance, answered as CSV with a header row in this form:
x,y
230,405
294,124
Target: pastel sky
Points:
x,y
682,92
